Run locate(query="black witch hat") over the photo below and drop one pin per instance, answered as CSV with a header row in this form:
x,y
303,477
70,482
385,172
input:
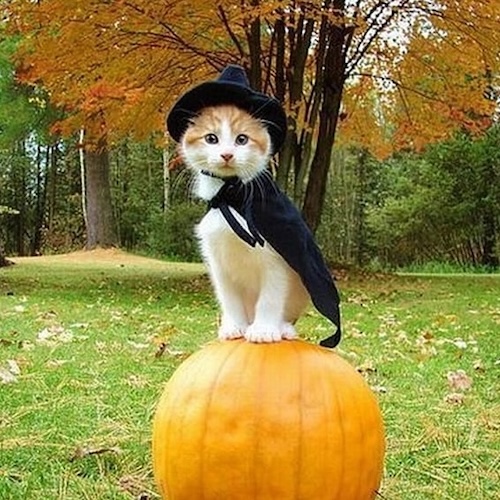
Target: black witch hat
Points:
x,y
232,87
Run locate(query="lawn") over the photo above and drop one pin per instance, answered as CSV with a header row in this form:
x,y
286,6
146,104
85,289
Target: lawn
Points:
x,y
87,342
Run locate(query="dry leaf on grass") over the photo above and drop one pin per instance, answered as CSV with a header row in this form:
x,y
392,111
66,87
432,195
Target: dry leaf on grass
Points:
x,y
86,451
367,366
136,486
55,334
455,398
56,363
478,365
137,345
6,377
459,380
9,372
137,381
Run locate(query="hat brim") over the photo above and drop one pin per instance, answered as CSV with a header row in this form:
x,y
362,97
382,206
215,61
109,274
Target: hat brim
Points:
x,y
261,106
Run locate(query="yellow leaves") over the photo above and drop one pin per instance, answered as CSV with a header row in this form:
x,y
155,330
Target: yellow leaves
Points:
x,y
362,121
444,74
432,82
120,59
418,70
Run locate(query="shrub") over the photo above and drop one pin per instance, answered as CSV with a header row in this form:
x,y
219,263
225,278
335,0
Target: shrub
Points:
x,y
172,234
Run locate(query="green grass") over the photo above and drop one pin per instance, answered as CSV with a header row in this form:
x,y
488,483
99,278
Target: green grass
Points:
x,y
447,268
93,385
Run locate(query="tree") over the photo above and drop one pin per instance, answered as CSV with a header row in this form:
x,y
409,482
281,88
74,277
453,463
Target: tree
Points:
x,y
4,211
473,167
96,189
442,205
24,151
416,69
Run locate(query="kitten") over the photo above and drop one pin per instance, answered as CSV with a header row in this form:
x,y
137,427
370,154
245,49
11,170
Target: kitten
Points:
x,y
260,295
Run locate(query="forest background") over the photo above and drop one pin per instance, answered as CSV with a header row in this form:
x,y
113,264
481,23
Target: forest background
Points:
x,y
393,142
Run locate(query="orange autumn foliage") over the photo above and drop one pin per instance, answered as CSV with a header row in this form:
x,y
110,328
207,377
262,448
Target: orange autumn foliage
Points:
x,y
414,71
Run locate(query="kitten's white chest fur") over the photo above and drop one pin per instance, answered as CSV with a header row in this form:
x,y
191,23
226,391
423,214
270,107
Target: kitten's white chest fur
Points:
x,y
259,294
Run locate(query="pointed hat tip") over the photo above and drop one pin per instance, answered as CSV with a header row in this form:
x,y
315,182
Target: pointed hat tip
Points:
x,y
233,73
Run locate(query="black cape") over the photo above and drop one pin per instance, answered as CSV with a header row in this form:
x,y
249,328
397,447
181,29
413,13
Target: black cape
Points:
x,y
271,216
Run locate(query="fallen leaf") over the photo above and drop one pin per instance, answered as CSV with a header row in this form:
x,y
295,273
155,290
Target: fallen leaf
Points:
x,y
356,333
176,354
50,315
461,344
13,367
53,335
137,345
26,345
379,389
459,380
84,451
366,367
160,350
10,372
79,325
427,336
455,398
137,381
402,337
6,377
135,486
56,363
478,365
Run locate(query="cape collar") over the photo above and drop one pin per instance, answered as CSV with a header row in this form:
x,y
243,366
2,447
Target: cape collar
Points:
x,y
234,193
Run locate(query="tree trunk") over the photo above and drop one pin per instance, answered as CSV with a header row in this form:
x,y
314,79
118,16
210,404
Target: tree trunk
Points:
x,y
360,235
489,257
21,194
166,179
255,50
42,162
3,261
101,227
333,85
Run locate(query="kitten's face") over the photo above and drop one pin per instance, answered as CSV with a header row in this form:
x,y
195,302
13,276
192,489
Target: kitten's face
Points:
x,y
226,141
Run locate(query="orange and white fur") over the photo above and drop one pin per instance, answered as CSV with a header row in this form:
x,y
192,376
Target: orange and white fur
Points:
x,y
261,297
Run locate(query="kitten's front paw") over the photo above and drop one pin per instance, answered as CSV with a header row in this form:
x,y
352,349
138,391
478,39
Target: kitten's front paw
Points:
x,y
262,333
288,331
231,332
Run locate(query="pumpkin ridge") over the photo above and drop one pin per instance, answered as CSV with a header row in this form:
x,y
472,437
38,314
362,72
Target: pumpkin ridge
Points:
x,y
362,437
208,402
299,462
168,396
338,421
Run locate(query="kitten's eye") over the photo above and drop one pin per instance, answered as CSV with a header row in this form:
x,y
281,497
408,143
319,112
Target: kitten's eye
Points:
x,y
241,139
211,139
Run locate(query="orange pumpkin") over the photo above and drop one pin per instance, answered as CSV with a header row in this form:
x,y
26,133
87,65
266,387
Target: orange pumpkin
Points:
x,y
281,421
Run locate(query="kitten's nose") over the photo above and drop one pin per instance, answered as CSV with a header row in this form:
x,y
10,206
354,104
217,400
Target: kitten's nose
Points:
x,y
226,156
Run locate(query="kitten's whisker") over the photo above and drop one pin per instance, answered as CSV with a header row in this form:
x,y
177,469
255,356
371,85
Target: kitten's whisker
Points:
x,y
182,181
268,176
189,112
